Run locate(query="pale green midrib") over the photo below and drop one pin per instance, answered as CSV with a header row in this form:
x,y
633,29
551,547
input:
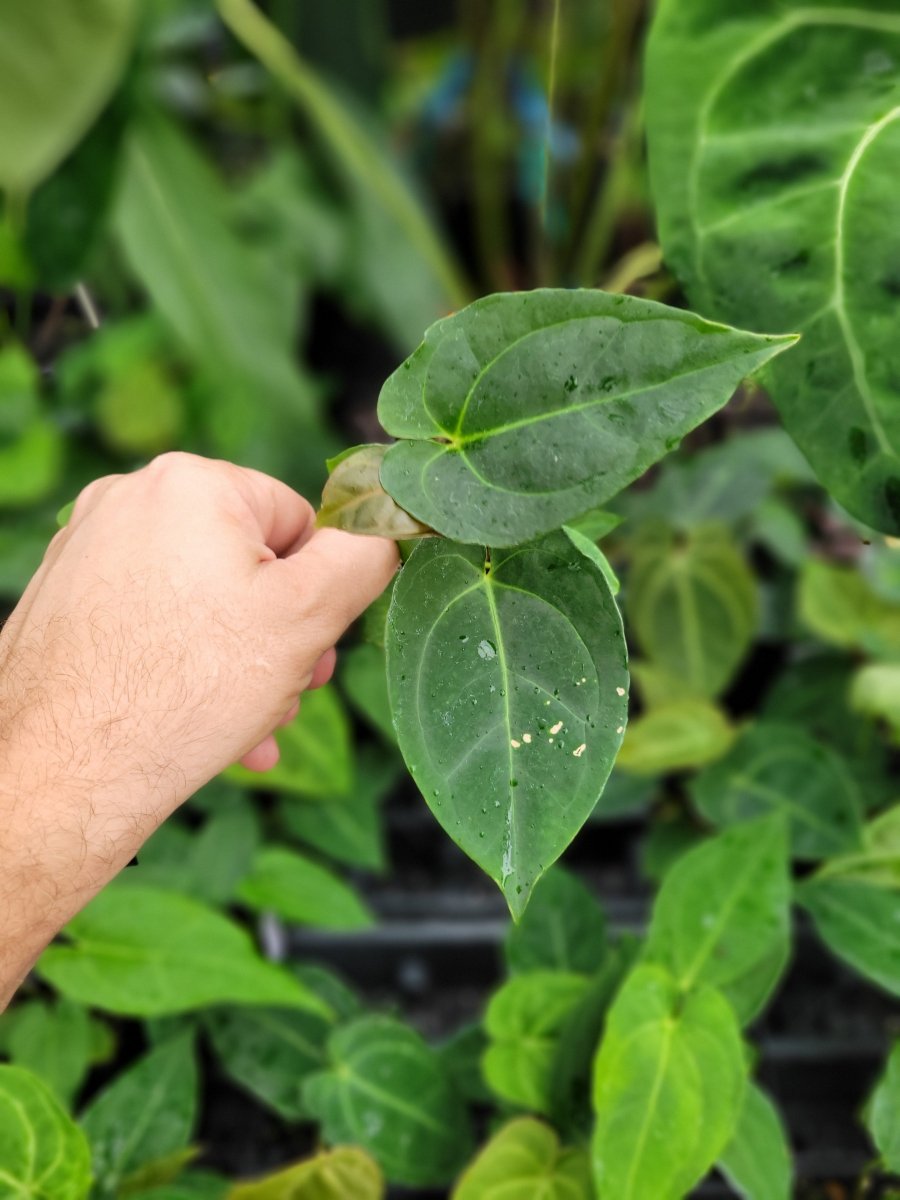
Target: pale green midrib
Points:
x,y
649,1114
693,641
391,1101
348,145
19,1108
158,1091
510,861
848,863
788,196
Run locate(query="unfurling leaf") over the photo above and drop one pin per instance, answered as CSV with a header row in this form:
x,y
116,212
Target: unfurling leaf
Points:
x,y
353,499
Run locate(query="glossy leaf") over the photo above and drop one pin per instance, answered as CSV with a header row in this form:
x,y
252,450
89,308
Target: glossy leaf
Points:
x,y
883,1117
269,1051
83,49
526,409
353,499
508,688
523,1023
55,1041
724,909
146,1114
692,604
773,133
673,737
145,952
757,1160
330,1175
839,605
298,889
860,922
668,1087
43,1153
316,752
387,1091
563,928
776,768
525,1161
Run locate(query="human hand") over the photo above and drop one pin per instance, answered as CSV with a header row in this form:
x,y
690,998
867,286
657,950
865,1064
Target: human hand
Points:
x,y
171,627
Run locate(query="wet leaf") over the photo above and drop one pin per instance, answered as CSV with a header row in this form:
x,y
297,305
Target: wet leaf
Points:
x,y
526,409
508,687
42,1151
353,499
525,1161
773,136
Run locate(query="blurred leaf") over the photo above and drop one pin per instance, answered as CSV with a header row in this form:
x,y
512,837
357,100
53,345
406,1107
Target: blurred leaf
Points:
x,y
757,1160
19,382
669,838
140,411
386,1090
335,1174
563,928
838,604
146,1114
524,1161
143,952
157,1173
875,691
860,922
298,889
353,499
596,523
331,988
883,1117
461,1056
31,466
316,753
779,769
193,1185
348,829
59,63
525,409
508,688
693,606
723,910
43,1152
656,687
625,795
364,678
674,737
269,1051
523,1022
668,1087
54,1040
878,861
777,527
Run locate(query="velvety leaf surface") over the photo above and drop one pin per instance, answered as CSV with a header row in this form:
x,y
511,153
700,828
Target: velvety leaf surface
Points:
x,y
774,132
776,768
269,1051
83,48
675,736
145,952
883,1117
387,1090
316,752
692,604
668,1086
563,928
860,922
723,909
147,1113
353,499
508,688
43,1153
336,1174
526,409
525,1161
523,1022
298,889
757,1160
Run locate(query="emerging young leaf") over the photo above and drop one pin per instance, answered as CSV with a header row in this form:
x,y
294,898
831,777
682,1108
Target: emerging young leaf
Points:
x,y
692,604
757,1160
526,409
668,1087
42,1150
146,1114
145,952
723,909
337,1174
353,499
508,686
884,1113
773,132
524,1161
860,922
776,768
523,1024
388,1091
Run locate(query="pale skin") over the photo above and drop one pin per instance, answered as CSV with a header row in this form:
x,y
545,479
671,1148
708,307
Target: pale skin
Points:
x,y
171,628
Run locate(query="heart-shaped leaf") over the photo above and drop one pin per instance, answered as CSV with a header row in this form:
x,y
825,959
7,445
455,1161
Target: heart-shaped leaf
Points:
x,y
508,686
526,409
335,1174
774,131
524,1161
42,1150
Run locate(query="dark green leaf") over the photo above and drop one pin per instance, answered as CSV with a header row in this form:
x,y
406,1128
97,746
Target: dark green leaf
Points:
x,y
860,922
508,687
757,1160
42,1151
298,889
387,1090
779,769
524,1161
563,928
526,409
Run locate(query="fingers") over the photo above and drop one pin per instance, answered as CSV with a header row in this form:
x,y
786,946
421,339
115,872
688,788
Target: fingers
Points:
x,y
284,518
262,757
323,669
